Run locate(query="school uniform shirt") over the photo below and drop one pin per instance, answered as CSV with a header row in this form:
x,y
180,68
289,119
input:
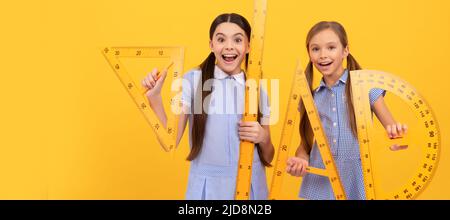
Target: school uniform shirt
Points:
x,y
332,106
213,173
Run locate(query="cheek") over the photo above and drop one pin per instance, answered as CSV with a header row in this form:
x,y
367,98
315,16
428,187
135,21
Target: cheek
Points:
x,y
242,48
217,51
339,55
313,58
217,46
340,60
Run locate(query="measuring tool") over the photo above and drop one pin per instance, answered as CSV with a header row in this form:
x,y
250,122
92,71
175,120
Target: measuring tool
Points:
x,y
167,137
300,91
362,82
254,72
158,75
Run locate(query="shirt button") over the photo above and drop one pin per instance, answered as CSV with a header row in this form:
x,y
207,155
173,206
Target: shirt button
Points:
x,y
334,141
332,94
334,124
334,109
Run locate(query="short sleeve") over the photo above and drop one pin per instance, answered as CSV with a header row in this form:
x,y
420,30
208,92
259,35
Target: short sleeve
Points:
x,y
374,94
264,104
187,88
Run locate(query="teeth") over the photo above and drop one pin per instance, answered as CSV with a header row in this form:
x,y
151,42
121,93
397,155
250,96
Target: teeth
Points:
x,y
229,57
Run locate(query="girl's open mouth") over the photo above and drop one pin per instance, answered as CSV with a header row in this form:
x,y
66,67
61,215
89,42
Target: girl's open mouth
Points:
x,y
325,64
229,57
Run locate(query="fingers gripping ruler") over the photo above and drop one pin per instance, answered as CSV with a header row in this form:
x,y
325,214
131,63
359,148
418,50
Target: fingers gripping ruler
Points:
x,y
254,72
166,136
362,82
300,91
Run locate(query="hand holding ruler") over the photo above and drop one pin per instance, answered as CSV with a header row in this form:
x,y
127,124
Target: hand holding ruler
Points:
x,y
175,55
362,82
254,72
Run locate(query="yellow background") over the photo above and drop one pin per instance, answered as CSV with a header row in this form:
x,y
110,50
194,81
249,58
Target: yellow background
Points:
x,y
70,131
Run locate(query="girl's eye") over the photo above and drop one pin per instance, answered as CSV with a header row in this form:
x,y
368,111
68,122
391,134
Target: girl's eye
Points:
x,y
221,40
238,40
332,48
314,49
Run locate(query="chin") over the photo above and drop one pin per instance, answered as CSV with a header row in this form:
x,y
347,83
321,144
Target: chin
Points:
x,y
327,73
229,68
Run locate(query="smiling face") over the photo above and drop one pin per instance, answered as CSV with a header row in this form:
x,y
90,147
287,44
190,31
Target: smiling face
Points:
x,y
327,53
230,45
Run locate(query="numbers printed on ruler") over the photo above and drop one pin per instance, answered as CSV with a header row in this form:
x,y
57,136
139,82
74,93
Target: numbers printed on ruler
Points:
x,y
243,181
300,88
362,82
166,137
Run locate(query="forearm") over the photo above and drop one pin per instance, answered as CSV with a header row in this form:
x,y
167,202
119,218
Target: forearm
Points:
x,y
266,146
267,151
182,122
301,151
157,106
382,112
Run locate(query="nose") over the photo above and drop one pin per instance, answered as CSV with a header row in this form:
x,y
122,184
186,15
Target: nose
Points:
x,y
229,45
323,54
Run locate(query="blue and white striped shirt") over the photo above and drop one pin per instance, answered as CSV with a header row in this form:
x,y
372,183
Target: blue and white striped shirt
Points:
x,y
332,106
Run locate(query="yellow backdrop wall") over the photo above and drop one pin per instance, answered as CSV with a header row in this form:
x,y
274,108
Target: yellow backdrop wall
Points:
x,y
70,131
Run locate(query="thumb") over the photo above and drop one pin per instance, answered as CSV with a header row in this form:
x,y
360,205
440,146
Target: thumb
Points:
x,y
162,77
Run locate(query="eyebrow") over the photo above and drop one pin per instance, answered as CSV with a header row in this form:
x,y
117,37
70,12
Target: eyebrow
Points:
x,y
328,43
233,35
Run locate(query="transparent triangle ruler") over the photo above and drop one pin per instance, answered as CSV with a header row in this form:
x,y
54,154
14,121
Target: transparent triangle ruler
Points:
x,y
175,56
300,91
362,82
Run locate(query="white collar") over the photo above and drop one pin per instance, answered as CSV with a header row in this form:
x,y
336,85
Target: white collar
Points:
x,y
220,74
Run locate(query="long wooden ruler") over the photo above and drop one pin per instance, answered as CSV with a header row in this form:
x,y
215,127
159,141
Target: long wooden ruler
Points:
x,y
254,72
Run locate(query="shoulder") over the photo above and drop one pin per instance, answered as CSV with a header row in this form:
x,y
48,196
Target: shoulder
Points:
x,y
190,74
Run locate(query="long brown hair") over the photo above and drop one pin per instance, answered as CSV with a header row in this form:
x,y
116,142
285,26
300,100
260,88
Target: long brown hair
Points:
x,y
352,64
207,69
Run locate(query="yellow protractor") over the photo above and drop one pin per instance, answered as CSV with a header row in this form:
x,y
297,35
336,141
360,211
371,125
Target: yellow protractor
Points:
x,y
166,137
254,72
300,91
362,82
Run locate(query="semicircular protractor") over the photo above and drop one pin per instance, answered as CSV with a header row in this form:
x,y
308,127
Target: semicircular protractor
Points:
x,y
388,174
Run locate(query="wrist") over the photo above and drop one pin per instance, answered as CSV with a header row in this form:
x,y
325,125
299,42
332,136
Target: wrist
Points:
x,y
303,157
265,140
154,99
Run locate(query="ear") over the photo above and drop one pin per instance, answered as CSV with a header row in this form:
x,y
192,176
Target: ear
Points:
x,y
346,51
248,49
211,45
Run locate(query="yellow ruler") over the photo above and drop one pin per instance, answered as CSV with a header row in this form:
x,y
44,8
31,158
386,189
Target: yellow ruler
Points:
x,y
362,82
166,137
254,72
300,91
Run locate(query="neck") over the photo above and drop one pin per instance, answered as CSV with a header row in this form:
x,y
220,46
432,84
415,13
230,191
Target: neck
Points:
x,y
330,80
234,72
231,73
